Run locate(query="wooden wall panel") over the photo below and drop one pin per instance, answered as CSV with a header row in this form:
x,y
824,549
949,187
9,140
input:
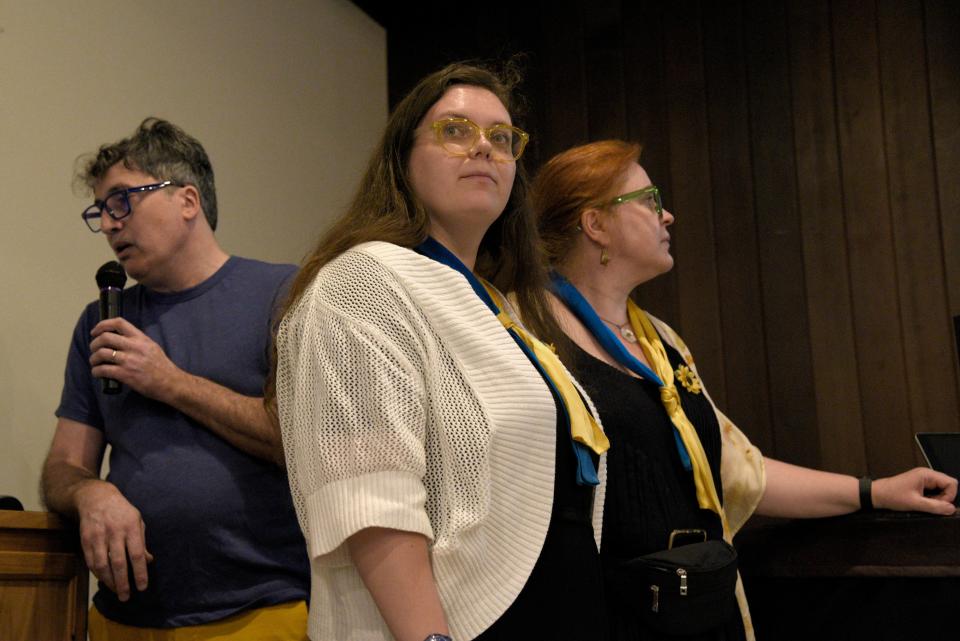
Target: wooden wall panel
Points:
x,y
924,306
737,253
694,244
647,112
820,209
870,248
794,420
606,102
562,64
942,24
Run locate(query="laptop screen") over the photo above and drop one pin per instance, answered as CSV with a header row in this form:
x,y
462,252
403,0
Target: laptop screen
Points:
x,y
942,451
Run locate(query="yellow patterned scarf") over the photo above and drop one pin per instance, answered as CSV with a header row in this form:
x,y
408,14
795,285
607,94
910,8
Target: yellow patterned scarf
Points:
x,y
653,349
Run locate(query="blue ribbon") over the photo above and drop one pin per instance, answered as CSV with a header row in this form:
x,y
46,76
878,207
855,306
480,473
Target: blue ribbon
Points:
x,y
574,300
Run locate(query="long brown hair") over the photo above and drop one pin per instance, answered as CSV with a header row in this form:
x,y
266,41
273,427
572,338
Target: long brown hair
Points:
x,y
385,207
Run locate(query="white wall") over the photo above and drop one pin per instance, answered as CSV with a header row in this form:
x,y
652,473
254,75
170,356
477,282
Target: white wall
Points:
x,y
287,96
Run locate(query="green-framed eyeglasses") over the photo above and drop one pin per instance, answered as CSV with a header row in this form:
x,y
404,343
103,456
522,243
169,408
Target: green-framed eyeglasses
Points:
x,y
650,197
459,135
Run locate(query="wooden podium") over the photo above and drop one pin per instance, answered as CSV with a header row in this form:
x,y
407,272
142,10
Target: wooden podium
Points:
x,y
877,575
43,579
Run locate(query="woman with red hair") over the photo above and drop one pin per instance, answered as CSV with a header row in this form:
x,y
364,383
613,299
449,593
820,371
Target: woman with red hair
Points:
x,y
682,478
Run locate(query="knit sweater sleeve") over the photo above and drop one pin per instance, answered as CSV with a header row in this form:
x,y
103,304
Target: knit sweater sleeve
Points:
x,y
352,407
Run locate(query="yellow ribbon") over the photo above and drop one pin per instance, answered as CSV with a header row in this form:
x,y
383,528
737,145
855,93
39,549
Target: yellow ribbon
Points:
x,y
583,427
649,340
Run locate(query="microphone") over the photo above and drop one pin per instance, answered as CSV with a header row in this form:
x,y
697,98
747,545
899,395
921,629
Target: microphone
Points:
x,y
110,279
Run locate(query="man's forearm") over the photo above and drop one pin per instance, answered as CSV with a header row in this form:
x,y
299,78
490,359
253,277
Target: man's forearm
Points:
x,y
240,420
122,352
59,484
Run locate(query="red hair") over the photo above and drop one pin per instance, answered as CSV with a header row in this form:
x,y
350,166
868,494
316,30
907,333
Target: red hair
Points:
x,y
573,181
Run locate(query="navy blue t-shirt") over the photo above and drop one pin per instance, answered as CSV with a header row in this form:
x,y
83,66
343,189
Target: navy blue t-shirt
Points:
x,y
219,522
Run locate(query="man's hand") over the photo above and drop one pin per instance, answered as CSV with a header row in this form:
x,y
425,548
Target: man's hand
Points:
x,y
122,352
112,533
111,530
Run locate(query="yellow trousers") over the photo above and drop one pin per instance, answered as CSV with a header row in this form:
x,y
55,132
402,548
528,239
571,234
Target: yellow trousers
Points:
x,y
284,622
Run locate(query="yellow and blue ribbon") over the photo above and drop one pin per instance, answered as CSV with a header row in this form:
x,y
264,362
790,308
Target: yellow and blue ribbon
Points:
x,y
585,433
689,447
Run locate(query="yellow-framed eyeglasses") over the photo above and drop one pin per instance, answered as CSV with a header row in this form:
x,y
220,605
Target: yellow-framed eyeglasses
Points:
x,y
459,135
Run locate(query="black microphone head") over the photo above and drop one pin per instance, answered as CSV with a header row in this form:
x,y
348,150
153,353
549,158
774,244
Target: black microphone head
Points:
x,y
111,274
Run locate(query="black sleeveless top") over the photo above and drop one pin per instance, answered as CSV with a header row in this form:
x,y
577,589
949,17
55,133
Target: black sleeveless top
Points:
x,y
563,597
649,493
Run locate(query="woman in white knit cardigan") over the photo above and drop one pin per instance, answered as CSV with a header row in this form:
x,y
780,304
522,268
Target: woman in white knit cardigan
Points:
x,y
427,436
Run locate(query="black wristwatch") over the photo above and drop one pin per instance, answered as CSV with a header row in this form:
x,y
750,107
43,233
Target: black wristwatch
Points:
x,y
438,637
866,494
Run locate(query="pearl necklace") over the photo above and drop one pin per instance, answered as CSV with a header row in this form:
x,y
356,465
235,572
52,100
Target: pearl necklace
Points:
x,y
625,330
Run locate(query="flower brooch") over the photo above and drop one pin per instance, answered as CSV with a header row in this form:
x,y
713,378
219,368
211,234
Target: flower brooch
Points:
x,y
689,379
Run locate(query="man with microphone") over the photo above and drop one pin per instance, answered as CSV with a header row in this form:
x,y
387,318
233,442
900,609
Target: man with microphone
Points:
x,y
194,524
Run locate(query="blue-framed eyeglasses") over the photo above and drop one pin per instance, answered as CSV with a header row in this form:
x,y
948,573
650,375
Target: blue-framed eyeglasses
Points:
x,y
650,197
117,204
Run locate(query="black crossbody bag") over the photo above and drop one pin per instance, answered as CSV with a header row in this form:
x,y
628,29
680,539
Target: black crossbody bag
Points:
x,y
686,589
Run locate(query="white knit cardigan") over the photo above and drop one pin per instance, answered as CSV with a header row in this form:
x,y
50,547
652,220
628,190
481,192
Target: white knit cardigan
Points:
x,y
405,404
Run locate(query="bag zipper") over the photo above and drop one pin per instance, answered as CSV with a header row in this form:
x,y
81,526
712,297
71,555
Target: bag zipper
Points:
x,y
655,590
